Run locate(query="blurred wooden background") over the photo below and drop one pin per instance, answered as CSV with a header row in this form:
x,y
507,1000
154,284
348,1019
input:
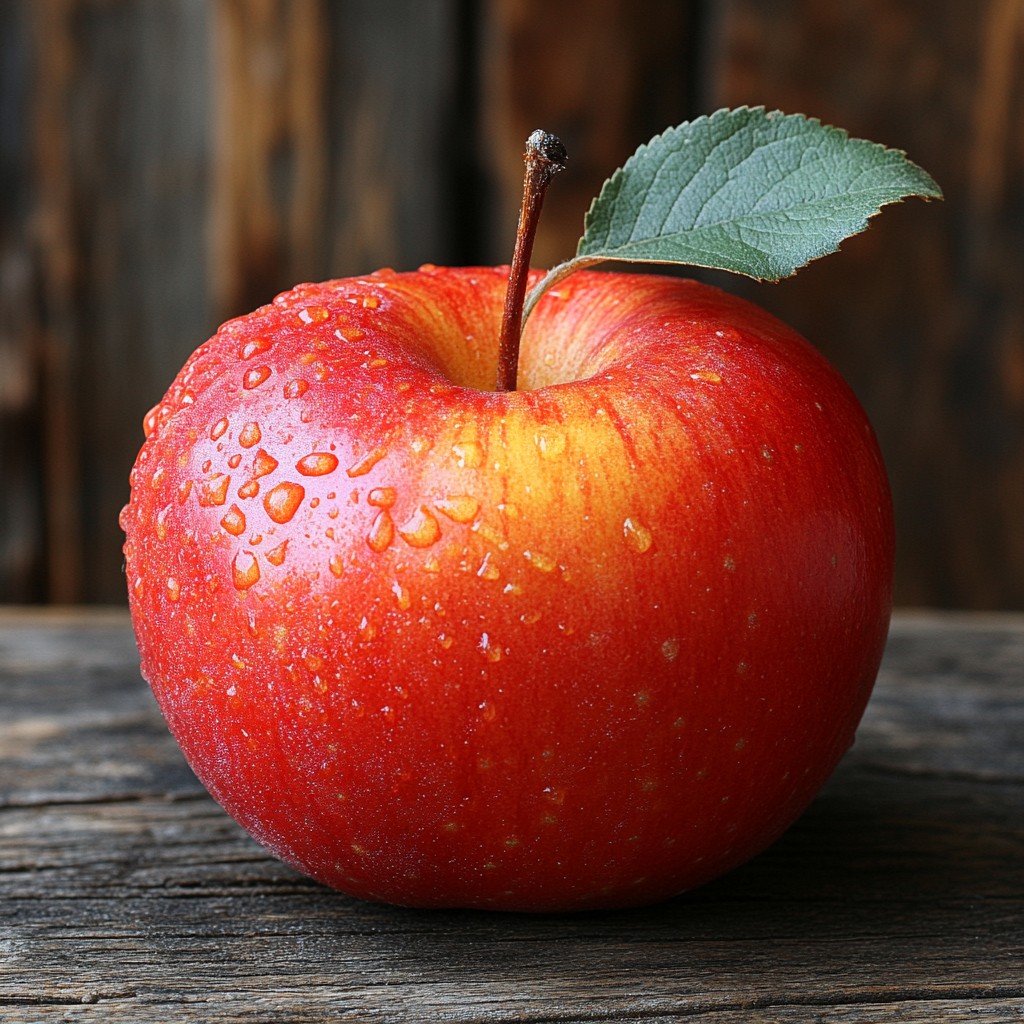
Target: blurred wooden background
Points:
x,y
165,164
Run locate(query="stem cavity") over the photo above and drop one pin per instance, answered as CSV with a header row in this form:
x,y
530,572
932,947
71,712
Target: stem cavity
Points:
x,y
544,158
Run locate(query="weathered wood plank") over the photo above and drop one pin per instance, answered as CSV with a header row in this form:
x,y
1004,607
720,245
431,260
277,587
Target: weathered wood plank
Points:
x,y
333,142
113,165
21,528
126,894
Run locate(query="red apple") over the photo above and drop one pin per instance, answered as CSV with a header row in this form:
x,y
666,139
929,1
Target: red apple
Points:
x,y
589,643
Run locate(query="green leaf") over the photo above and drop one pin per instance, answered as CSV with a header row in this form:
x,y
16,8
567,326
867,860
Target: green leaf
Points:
x,y
755,192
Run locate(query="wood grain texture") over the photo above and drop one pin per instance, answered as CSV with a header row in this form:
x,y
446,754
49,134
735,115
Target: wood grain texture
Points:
x,y
127,895
21,534
270,145
332,142
112,245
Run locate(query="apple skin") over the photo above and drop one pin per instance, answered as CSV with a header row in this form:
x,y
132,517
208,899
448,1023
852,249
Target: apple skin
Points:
x,y
586,644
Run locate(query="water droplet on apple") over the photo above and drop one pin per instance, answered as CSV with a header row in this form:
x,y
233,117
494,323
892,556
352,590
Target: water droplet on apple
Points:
x,y
245,570
161,523
637,535
173,590
540,561
234,521
249,435
550,443
367,630
460,508
283,501
254,347
488,570
337,565
276,556
296,388
382,497
422,529
251,624
382,532
363,465
445,641
468,454
214,492
219,429
314,314
249,489
489,649
263,463
255,377
707,375
317,464
370,302
349,332
402,598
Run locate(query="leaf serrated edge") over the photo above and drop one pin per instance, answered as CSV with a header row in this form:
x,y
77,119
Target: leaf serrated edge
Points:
x,y
929,188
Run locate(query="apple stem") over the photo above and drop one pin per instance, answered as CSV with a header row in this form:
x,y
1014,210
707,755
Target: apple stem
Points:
x,y
544,158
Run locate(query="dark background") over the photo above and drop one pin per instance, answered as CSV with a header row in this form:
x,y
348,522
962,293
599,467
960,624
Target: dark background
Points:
x,y
166,164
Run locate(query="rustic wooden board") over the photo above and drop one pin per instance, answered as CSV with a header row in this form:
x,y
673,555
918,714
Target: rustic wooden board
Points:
x,y
127,895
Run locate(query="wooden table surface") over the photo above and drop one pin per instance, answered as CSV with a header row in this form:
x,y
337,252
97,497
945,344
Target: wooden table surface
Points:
x,y
127,895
